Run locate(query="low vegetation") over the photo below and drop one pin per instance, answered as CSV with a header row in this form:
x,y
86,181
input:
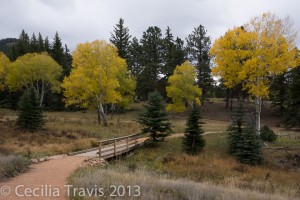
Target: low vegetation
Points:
x,y
63,132
156,186
165,172
12,165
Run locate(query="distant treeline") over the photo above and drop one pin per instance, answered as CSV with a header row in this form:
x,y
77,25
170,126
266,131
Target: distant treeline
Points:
x,y
152,60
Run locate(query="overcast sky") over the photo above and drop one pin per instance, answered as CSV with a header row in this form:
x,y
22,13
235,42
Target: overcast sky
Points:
x,y
80,21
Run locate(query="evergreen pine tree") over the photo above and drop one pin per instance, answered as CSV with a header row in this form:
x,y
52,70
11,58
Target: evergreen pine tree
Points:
x,y
193,141
33,44
40,42
249,146
13,53
292,114
237,127
151,62
154,118
198,46
121,38
244,143
67,61
57,50
30,116
47,46
23,44
134,57
173,55
278,92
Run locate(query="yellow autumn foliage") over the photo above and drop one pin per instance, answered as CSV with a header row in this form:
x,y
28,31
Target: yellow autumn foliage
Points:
x,y
4,62
253,54
98,76
182,88
38,70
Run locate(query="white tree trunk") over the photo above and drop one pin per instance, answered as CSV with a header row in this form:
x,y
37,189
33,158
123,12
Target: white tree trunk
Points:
x,y
258,113
102,113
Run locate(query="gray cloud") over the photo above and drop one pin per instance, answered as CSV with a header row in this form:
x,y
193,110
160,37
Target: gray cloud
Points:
x,y
86,20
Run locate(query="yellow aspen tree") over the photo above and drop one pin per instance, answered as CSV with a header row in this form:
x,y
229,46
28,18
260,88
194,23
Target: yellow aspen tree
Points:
x,y
253,54
4,62
35,70
182,88
98,77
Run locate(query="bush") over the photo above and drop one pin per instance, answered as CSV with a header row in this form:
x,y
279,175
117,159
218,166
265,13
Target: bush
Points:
x,y
12,165
267,135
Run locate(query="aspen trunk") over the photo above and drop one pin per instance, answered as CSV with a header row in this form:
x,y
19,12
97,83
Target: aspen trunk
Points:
x,y
103,114
258,113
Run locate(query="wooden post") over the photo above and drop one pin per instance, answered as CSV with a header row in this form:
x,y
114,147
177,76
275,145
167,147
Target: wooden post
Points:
x,y
100,149
115,147
127,144
135,140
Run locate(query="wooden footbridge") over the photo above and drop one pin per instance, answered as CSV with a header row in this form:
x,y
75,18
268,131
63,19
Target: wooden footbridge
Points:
x,y
121,145
117,146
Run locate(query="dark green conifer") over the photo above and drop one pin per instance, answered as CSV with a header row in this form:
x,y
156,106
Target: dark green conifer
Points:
x,y
120,38
47,46
23,44
249,147
193,141
198,46
292,114
149,79
57,50
237,127
154,118
33,44
40,41
244,143
30,116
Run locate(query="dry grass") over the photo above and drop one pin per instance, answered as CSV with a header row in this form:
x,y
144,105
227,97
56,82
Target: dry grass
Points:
x,y
64,132
70,131
156,186
216,166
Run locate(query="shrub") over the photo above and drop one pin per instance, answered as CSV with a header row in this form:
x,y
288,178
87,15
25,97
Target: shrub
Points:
x,y
12,165
267,134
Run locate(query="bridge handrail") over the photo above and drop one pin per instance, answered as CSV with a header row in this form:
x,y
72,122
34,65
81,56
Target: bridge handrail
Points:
x,y
127,139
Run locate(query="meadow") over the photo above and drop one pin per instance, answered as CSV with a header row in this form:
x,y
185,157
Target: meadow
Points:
x,y
178,175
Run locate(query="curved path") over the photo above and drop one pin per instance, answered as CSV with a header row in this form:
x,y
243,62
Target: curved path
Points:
x,y
46,178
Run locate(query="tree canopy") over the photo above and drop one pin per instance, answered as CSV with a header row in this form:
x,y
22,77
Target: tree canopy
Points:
x,y
96,77
182,88
253,54
37,70
4,62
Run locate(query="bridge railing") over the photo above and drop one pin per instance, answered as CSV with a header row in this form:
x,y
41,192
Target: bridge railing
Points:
x,y
117,146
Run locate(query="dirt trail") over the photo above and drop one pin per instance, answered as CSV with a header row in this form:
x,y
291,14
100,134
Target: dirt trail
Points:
x,y
48,177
